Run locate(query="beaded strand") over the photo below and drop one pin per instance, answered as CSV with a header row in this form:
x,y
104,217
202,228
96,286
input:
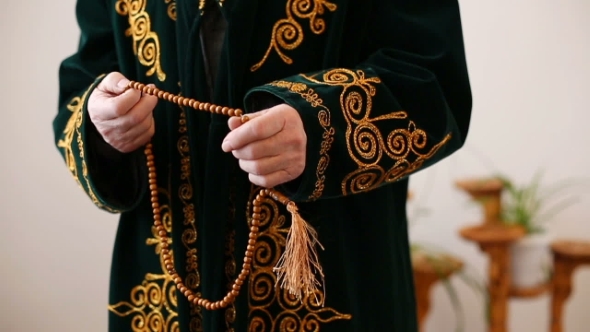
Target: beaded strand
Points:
x,y
256,217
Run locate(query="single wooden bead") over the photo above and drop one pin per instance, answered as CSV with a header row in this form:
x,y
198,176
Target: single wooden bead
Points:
x,y
235,293
251,242
218,109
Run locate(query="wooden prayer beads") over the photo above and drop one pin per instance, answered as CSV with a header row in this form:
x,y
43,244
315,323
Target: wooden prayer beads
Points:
x,y
183,101
158,224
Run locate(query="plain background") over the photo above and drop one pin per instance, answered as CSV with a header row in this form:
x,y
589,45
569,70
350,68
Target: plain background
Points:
x,y
529,66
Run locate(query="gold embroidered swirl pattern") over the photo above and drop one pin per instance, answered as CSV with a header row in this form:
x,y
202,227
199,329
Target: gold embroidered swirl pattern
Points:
x,y
72,130
146,43
153,304
171,9
272,308
189,234
287,33
366,143
327,137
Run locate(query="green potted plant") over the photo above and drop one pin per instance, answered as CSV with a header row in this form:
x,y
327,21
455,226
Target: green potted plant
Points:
x,y
531,206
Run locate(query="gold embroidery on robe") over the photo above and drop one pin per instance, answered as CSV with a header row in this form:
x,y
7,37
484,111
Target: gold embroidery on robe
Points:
x,y
230,260
168,310
366,143
324,118
153,304
189,234
271,308
72,131
171,9
287,33
230,273
146,43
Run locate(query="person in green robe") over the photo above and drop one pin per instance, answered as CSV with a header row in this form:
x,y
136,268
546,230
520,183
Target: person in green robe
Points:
x,y
346,98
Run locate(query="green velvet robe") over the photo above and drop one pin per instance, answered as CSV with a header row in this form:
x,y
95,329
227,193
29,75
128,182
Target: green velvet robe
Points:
x,y
383,91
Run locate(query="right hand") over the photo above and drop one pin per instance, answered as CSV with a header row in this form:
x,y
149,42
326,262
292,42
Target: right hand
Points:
x,y
123,117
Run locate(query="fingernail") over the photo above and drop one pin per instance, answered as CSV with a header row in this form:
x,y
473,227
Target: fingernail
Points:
x,y
225,146
123,83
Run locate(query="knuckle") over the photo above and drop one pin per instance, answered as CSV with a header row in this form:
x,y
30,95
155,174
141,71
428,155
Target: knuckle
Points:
x,y
263,181
117,108
135,118
257,128
255,168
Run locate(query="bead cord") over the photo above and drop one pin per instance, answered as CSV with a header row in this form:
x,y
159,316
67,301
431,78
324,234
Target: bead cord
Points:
x,y
256,216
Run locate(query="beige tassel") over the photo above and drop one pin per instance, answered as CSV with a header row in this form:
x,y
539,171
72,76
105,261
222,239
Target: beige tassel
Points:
x,y
299,263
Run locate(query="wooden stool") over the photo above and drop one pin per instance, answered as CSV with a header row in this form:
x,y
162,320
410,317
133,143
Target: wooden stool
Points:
x,y
428,272
567,256
495,240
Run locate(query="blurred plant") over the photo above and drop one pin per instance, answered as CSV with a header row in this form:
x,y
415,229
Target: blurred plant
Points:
x,y
444,264
532,206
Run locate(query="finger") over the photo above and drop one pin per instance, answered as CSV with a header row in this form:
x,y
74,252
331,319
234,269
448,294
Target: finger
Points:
x,y
114,83
234,122
140,140
259,149
264,166
137,114
134,132
257,128
270,180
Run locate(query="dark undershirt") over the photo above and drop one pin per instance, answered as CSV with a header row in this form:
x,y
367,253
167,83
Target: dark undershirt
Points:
x,y
212,34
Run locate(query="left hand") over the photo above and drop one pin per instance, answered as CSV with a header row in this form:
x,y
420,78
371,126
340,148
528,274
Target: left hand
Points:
x,y
271,146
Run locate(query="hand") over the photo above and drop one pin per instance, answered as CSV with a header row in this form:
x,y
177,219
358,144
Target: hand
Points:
x,y
122,116
271,146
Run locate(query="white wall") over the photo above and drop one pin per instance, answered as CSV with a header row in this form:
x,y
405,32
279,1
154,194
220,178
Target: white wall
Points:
x,y
529,66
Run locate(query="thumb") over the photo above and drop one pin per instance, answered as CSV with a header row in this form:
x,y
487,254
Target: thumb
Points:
x,y
114,83
234,122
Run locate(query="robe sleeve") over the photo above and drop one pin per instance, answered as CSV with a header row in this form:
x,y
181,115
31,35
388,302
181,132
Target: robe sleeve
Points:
x,y
405,107
109,178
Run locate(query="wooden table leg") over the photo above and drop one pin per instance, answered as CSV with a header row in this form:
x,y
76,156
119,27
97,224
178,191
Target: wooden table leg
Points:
x,y
499,285
424,281
567,256
562,288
